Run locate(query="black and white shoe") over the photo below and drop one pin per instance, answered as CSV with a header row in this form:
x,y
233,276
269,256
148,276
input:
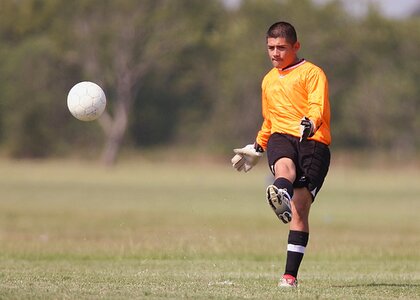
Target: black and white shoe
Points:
x,y
279,201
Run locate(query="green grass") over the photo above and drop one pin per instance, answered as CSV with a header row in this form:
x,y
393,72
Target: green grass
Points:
x,y
72,231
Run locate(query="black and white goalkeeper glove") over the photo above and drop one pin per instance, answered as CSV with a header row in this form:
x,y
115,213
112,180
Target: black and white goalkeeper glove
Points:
x,y
247,157
307,128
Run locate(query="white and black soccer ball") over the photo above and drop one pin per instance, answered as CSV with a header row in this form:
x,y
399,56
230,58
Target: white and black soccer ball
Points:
x,y
86,101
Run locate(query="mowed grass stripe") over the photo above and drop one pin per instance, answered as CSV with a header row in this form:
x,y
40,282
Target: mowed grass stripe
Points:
x,y
147,230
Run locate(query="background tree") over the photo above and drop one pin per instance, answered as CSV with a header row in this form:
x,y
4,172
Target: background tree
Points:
x,y
121,44
31,76
189,72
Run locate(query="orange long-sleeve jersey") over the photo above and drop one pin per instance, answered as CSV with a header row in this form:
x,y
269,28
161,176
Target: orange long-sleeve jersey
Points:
x,y
290,94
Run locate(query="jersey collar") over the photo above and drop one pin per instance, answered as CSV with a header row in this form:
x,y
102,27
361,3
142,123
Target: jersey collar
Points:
x,y
294,66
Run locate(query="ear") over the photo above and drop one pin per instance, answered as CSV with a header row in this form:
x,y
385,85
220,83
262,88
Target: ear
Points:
x,y
296,46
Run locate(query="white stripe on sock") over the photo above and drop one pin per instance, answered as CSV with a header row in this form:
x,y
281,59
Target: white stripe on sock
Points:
x,y
295,248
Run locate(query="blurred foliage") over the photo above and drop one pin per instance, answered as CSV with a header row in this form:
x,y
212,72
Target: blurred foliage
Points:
x,y
202,65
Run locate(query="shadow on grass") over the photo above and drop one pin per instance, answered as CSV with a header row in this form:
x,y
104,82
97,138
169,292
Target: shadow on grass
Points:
x,y
400,285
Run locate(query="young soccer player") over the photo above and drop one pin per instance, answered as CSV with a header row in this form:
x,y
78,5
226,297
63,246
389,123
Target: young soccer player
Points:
x,y
295,134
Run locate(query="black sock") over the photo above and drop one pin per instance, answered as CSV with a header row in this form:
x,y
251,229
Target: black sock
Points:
x,y
283,183
297,242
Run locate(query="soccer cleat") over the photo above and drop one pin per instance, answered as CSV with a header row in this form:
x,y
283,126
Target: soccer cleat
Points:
x,y
288,281
279,201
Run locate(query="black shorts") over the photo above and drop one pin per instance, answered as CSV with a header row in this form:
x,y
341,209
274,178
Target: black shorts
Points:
x,y
311,158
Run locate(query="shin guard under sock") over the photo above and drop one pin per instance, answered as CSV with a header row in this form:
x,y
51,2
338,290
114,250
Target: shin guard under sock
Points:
x,y
297,242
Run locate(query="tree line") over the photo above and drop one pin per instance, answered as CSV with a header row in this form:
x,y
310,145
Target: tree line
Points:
x,y
188,72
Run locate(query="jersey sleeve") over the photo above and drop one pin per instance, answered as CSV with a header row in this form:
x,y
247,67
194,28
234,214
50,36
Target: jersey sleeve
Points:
x,y
317,85
265,131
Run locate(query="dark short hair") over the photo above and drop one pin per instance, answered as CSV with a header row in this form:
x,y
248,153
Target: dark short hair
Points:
x,y
283,30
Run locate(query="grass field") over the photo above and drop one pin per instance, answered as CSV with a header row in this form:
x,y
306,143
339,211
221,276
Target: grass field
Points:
x,y
142,230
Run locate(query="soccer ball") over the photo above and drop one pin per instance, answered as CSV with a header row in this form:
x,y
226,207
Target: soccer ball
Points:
x,y
86,101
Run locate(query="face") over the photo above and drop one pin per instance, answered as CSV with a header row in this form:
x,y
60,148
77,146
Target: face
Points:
x,y
282,53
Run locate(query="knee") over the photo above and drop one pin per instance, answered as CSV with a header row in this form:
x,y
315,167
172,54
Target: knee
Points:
x,y
285,167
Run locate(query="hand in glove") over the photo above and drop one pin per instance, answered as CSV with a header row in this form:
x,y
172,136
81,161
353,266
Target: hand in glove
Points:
x,y
246,157
307,128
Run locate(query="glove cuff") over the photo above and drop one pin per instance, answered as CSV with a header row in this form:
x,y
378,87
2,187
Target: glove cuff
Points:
x,y
258,148
313,129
